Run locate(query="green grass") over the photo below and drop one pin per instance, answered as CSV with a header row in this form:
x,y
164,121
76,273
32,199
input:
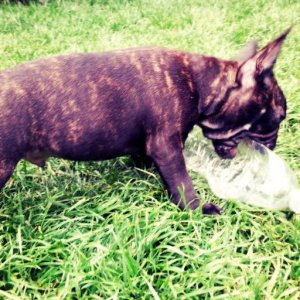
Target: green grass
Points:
x,y
107,230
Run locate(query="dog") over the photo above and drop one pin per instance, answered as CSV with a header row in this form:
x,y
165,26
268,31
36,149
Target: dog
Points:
x,y
141,102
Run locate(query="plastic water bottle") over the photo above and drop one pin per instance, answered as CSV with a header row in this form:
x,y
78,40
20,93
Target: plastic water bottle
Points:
x,y
256,176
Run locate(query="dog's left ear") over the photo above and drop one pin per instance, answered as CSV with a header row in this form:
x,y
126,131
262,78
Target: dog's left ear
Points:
x,y
262,61
247,52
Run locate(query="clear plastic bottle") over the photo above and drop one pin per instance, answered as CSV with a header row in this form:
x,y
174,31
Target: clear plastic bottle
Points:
x,y
256,176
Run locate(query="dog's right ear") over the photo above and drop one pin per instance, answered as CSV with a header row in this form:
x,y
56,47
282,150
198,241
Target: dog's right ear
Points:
x,y
267,56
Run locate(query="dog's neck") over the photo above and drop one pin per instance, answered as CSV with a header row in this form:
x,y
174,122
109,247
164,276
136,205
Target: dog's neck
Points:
x,y
212,78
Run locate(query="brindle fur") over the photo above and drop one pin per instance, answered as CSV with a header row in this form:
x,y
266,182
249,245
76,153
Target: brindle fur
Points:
x,y
140,102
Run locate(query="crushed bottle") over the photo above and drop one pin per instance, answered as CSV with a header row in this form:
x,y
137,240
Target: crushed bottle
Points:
x,y
256,176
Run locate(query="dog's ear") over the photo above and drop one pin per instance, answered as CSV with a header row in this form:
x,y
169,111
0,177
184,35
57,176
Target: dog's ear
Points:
x,y
267,56
247,52
263,61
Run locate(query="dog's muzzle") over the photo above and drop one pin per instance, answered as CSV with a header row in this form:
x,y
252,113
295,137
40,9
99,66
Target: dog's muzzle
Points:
x,y
226,143
225,149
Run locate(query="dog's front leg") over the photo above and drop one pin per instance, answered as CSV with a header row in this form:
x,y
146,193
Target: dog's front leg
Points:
x,y
167,155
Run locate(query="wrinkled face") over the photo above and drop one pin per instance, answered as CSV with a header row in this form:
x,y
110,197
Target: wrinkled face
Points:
x,y
265,129
253,105
257,118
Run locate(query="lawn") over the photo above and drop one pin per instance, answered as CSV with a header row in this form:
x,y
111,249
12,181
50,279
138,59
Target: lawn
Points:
x,y
106,230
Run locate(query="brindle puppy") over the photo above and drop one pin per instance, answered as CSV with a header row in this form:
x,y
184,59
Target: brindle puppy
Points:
x,y
143,102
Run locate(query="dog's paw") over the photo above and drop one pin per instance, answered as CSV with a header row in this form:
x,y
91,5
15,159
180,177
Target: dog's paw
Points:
x,y
211,209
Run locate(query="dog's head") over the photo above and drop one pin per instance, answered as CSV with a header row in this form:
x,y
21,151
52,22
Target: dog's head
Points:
x,y
253,105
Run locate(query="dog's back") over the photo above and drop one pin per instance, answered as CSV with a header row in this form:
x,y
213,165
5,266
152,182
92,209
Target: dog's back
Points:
x,y
93,106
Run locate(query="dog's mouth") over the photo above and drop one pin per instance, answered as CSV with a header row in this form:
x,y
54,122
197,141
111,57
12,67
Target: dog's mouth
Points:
x,y
225,142
226,150
226,147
